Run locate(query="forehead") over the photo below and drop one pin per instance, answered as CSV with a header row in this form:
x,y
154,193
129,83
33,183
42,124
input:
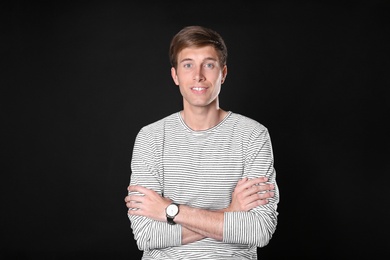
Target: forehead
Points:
x,y
198,53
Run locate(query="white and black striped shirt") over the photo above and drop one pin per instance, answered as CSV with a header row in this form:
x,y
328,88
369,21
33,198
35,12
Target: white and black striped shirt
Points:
x,y
201,169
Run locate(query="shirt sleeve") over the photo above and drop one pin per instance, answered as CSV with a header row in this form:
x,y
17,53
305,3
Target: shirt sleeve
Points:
x,y
146,171
256,226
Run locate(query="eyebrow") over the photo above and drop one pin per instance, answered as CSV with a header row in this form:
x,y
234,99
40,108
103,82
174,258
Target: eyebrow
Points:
x,y
205,59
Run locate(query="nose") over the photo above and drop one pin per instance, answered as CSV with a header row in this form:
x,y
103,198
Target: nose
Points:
x,y
198,75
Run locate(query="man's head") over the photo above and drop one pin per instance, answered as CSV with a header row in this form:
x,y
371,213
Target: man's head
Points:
x,y
197,36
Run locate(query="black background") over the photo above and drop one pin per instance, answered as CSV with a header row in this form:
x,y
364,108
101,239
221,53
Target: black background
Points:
x,y
80,79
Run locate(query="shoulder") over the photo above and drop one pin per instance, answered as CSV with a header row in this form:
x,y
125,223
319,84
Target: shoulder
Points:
x,y
252,132
246,122
159,125
152,135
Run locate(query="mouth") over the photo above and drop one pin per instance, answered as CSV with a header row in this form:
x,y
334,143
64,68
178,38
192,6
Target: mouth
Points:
x,y
198,89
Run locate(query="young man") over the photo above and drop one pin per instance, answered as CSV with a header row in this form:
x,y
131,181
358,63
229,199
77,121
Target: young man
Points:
x,y
203,179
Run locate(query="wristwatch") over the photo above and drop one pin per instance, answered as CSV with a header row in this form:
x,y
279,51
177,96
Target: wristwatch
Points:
x,y
172,210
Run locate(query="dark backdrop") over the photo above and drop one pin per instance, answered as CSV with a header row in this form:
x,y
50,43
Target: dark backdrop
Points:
x,y
80,79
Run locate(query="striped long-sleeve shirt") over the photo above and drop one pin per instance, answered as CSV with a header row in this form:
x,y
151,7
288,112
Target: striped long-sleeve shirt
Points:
x,y
201,169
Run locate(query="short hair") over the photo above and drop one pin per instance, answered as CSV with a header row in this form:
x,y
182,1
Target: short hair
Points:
x,y
197,36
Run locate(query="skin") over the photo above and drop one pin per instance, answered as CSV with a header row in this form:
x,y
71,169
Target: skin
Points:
x,y
199,76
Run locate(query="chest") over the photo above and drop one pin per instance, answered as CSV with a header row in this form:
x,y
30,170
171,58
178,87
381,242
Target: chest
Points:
x,y
201,173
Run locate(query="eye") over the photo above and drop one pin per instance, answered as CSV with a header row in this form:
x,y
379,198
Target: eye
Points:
x,y
187,65
209,65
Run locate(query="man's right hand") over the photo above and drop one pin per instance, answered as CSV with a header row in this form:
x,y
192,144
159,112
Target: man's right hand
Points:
x,y
250,193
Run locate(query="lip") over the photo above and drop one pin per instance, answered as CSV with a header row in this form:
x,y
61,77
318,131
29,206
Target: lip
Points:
x,y
198,89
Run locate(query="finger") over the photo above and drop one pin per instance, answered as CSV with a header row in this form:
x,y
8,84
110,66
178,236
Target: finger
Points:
x,y
259,202
254,189
265,195
258,199
254,181
265,187
260,188
243,184
136,198
134,211
138,188
128,205
257,192
255,203
134,204
130,197
258,181
242,180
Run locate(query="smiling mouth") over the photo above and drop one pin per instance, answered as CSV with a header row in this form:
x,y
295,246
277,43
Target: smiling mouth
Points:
x,y
198,88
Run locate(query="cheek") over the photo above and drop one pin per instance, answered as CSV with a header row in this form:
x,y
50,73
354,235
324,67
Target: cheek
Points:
x,y
182,79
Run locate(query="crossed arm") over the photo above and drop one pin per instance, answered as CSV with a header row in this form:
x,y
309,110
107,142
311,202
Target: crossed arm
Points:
x,y
200,223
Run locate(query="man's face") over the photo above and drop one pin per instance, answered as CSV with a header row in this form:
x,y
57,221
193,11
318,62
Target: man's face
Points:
x,y
199,76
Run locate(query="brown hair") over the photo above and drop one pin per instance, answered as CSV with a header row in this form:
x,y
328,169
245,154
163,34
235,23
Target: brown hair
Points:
x,y
197,36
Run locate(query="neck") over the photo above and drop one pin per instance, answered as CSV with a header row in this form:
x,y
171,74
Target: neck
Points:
x,y
202,119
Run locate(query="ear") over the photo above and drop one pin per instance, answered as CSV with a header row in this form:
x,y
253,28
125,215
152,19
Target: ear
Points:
x,y
174,76
224,74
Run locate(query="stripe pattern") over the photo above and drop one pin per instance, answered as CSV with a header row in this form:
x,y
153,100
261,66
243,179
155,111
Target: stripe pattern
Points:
x,y
201,169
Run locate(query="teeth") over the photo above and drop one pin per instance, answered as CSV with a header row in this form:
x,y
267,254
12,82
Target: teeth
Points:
x,y
198,89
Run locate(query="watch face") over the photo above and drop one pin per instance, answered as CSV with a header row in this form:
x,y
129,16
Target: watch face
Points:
x,y
172,210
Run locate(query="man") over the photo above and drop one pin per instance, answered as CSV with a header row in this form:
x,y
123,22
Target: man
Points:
x,y
203,180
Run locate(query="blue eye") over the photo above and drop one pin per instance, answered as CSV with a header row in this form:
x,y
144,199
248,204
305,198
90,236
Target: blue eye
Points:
x,y
209,65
